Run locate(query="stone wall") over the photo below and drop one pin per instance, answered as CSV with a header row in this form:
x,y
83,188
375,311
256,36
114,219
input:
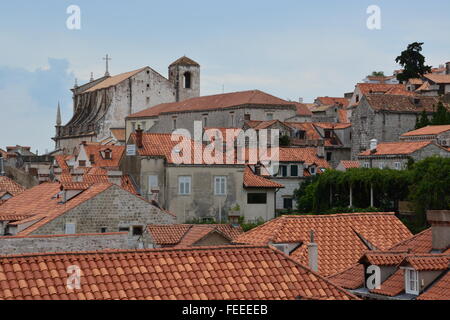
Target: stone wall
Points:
x,y
112,209
67,243
383,126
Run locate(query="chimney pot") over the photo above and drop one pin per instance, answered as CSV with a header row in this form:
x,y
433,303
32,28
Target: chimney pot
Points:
x,y
139,133
373,145
313,253
440,229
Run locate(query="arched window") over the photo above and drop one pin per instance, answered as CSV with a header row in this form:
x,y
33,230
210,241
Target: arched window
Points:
x,y
187,80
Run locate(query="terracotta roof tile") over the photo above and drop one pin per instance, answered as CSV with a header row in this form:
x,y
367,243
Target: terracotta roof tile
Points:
x,y
348,164
10,186
188,234
219,101
254,273
428,130
397,148
115,80
333,101
429,262
392,286
351,278
302,109
401,103
338,236
118,133
251,180
438,78
99,160
368,88
185,61
439,291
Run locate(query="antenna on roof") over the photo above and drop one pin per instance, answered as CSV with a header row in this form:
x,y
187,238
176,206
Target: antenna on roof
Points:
x,y
107,59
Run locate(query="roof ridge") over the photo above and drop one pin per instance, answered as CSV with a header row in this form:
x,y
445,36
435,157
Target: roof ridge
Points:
x,y
132,251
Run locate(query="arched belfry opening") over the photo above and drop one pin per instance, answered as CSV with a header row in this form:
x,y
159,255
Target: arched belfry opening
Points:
x,y
187,80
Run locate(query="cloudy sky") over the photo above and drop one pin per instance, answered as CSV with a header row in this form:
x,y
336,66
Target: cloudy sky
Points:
x,y
289,48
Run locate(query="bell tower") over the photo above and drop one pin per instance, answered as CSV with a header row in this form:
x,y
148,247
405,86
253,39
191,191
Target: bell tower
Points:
x,y
184,73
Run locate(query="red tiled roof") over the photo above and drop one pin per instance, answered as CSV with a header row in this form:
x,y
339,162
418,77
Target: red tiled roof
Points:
x,y
338,236
401,103
114,80
429,262
351,278
438,78
10,186
367,88
439,291
207,273
428,130
189,234
251,180
185,61
332,125
333,101
397,148
219,101
118,133
392,286
302,109
99,161
347,164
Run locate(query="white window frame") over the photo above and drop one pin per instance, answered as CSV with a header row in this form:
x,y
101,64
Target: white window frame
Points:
x,y
290,170
366,165
313,170
271,116
184,185
381,165
415,288
152,178
398,165
220,185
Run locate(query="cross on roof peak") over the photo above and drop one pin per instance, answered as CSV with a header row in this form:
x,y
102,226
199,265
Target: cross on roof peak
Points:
x,y
107,59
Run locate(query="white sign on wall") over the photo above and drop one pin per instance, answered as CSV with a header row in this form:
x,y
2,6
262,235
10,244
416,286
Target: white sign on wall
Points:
x,y
131,150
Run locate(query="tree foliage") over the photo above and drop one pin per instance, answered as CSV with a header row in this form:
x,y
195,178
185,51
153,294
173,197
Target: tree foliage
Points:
x,y
441,116
377,74
413,62
425,184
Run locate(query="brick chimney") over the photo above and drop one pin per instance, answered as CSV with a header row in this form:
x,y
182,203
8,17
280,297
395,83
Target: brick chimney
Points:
x,y
440,229
139,133
313,253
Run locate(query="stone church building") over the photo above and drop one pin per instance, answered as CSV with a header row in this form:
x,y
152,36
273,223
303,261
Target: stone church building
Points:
x,y
103,104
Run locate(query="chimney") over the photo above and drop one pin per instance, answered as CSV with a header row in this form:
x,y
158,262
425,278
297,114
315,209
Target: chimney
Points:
x,y
313,253
258,169
320,149
440,229
139,132
373,145
447,68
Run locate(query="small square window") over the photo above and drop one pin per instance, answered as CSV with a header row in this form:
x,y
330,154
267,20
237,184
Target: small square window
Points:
x,y
138,230
103,230
220,186
184,185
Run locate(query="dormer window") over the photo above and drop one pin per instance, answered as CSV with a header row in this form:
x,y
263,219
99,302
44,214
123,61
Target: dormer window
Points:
x,y
82,163
92,158
412,281
312,170
107,154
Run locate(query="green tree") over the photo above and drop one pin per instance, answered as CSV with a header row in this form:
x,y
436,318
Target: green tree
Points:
x,y
422,121
441,116
377,74
285,141
413,62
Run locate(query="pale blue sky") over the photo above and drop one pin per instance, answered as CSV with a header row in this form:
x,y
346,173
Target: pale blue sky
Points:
x,y
289,48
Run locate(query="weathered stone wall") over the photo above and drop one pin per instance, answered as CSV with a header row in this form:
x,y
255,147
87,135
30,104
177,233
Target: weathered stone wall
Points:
x,y
383,126
220,118
112,209
290,184
67,243
202,202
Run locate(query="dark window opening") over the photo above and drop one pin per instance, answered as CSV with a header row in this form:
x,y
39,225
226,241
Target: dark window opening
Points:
x,y
103,230
138,230
300,134
327,133
82,163
287,203
294,171
283,171
257,198
329,155
246,117
187,80
92,158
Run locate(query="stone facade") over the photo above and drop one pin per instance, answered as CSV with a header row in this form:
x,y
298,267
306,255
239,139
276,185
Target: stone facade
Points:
x,y
368,124
400,162
113,210
67,243
106,102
